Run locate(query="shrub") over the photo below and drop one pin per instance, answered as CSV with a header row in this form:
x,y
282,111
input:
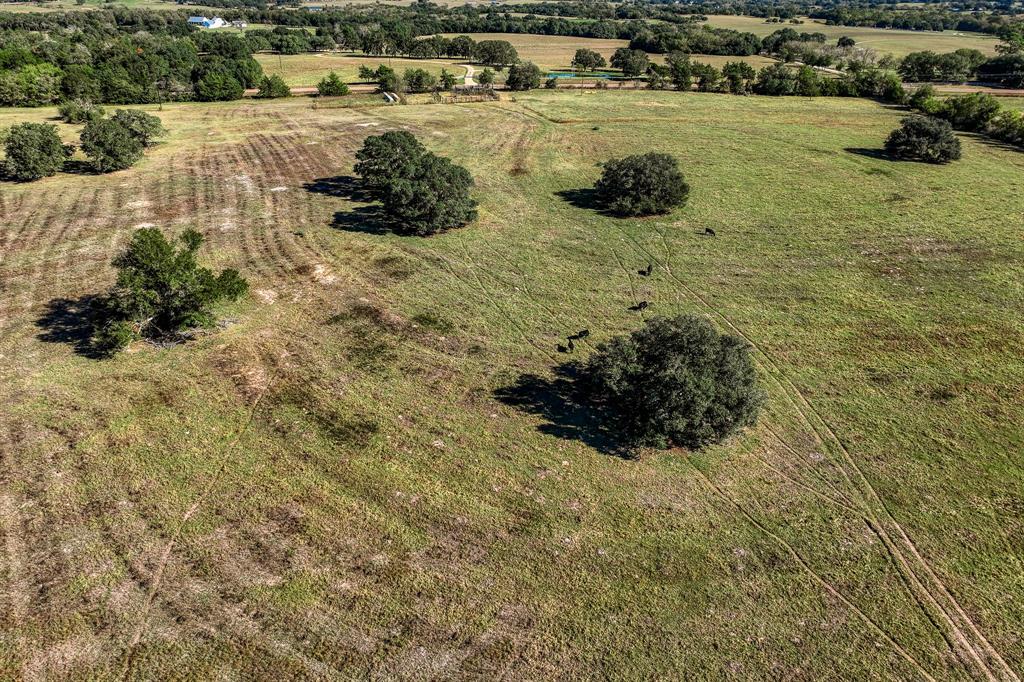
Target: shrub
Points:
x,y
79,111
922,138
447,80
34,151
332,86
486,77
272,87
674,382
524,76
143,127
160,290
643,184
110,145
551,83
970,112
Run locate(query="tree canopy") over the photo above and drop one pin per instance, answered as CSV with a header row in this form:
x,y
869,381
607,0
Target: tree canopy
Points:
x,y
924,138
675,381
34,151
642,184
160,290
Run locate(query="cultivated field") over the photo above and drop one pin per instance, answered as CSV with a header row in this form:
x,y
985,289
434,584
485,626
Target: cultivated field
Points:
x,y
884,40
309,68
371,470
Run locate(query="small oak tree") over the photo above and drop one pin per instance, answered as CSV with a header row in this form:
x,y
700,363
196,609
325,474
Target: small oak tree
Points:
x,y
160,290
34,151
642,184
674,382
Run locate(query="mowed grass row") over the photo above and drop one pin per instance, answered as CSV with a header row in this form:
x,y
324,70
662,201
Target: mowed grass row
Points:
x,y
365,505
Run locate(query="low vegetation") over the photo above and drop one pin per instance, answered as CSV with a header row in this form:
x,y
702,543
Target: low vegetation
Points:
x,y
273,87
642,185
675,381
921,138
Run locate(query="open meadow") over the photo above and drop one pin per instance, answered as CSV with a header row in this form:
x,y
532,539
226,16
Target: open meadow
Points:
x,y
896,42
556,52
372,468
310,68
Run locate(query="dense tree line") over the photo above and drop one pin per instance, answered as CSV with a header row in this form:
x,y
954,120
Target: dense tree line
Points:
x,y
112,65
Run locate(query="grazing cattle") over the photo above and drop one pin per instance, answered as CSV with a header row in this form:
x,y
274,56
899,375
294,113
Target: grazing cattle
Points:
x,y
642,305
709,232
646,272
561,349
581,334
572,346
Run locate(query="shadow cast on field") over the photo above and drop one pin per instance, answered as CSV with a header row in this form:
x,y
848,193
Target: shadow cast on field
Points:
x,y
585,198
369,219
879,154
69,321
560,401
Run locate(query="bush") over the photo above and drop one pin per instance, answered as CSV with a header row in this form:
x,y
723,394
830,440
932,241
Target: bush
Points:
x,y
332,86
110,145
921,138
422,193
143,127
79,111
524,76
34,151
970,112
551,83
486,77
217,86
674,382
643,184
272,87
160,290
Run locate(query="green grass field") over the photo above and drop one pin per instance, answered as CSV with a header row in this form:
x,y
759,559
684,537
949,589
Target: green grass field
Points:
x,y
335,484
891,41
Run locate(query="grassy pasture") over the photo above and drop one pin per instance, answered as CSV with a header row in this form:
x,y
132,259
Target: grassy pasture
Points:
x,y
330,487
556,52
884,40
308,69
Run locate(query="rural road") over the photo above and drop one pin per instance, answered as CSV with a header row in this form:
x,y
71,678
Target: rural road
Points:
x,y
470,71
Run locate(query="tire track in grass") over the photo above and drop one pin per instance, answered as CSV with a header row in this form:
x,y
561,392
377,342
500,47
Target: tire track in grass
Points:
x,y
869,496
829,587
157,577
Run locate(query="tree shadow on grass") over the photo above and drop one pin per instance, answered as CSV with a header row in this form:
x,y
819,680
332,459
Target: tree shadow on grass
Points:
x,y
341,186
369,219
70,321
562,403
585,198
880,154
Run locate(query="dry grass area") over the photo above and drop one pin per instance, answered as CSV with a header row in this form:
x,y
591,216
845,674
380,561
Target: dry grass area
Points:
x,y
556,52
371,470
308,69
884,40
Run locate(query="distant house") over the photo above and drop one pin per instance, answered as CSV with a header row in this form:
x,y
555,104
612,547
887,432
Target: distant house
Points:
x,y
239,24
205,22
